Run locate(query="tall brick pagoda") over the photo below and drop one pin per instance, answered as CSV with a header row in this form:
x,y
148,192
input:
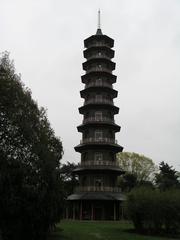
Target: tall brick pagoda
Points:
x,y
97,197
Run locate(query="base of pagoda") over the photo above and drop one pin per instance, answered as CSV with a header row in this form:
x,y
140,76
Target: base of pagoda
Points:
x,y
95,207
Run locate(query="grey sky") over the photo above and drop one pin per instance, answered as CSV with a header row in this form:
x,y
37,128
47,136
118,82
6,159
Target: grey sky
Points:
x,y
45,38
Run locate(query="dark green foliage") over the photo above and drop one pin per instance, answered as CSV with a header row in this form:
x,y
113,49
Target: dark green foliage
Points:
x,y
128,181
30,185
167,177
68,178
154,211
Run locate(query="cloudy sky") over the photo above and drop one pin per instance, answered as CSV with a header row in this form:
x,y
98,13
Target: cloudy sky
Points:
x,y
45,39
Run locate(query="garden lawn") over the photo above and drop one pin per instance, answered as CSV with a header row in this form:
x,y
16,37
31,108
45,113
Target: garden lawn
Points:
x,y
94,230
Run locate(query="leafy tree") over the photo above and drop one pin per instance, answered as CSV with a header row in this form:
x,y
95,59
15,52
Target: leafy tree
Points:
x,y
139,170
30,153
167,177
127,181
137,164
69,179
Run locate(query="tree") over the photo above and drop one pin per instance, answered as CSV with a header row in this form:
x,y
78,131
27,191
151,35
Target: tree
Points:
x,y
127,181
139,165
68,178
30,185
139,170
167,177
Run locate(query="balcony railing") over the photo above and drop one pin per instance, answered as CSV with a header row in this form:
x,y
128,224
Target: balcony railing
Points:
x,y
97,189
95,119
98,56
99,140
98,45
98,84
99,163
99,101
98,69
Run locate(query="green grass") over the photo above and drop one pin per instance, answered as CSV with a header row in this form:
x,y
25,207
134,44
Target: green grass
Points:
x,y
87,230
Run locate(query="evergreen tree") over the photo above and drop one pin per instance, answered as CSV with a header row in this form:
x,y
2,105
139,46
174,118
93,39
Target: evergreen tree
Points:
x,y
167,177
30,153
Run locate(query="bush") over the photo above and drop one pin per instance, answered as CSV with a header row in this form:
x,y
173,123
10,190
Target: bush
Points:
x,y
153,211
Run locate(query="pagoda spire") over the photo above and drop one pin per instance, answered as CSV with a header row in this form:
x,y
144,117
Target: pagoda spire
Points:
x,y
99,32
99,19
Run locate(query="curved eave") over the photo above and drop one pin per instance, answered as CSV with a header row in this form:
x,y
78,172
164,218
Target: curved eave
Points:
x,y
113,92
111,78
97,106
88,41
99,60
94,48
97,168
108,196
113,126
84,146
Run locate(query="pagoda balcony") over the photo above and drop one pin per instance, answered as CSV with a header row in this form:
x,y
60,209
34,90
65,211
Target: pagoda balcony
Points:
x,y
85,78
98,69
99,163
97,189
99,140
95,119
98,84
99,101
97,56
98,45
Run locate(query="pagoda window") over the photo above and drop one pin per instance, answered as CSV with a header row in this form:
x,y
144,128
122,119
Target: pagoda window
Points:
x,y
98,182
98,136
99,81
98,156
100,66
98,98
98,116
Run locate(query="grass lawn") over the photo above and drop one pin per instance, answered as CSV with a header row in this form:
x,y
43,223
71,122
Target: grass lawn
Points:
x,y
86,230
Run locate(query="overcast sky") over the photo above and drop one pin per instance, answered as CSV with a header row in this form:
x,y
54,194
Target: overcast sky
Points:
x,y
45,39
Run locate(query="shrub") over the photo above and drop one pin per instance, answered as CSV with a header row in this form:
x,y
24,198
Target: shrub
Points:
x,y
153,211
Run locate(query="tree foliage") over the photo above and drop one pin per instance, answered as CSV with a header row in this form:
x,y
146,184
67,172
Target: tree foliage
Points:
x,y
139,165
68,178
167,177
153,211
139,170
30,153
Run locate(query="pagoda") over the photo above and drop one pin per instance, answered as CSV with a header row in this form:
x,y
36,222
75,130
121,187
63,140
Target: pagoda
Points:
x,y
97,197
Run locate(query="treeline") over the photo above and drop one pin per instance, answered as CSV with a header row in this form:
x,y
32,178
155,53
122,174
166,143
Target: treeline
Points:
x,y
155,208
31,198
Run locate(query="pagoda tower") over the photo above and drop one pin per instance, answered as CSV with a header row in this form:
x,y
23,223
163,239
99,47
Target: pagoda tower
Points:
x,y
97,197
